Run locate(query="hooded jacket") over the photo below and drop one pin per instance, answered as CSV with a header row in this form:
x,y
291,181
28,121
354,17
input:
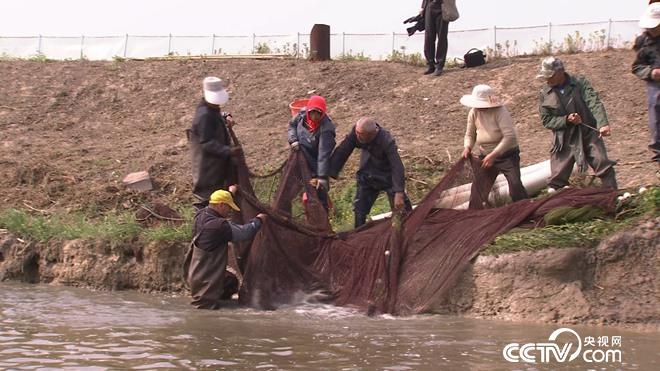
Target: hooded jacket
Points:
x,y
316,140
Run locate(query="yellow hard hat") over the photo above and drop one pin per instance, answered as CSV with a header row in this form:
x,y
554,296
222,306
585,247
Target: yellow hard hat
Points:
x,y
223,197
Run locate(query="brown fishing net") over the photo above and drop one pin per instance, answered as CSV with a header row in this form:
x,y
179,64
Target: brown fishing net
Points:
x,y
400,265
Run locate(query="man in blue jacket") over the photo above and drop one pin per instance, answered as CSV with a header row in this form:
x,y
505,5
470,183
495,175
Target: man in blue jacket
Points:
x,y
381,168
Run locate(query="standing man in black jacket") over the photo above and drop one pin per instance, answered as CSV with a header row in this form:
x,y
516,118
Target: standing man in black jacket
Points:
x,y
210,143
434,27
380,170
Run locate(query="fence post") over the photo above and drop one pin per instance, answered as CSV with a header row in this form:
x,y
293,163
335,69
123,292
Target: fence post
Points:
x,y
169,45
494,38
82,43
39,46
254,40
550,36
213,44
298,45
343,43
609,33
393,36
125,45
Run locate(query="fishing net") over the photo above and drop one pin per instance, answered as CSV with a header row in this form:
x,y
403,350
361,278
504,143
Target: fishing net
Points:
x,y
400,265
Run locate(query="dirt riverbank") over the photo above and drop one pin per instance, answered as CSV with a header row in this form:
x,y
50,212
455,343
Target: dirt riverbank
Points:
x,y
614,283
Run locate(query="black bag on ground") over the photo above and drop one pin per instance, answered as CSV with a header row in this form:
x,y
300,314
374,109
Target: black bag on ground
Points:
x,y
474,57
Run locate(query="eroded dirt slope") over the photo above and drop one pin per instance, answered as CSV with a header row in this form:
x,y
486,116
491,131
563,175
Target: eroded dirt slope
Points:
x,y
70,131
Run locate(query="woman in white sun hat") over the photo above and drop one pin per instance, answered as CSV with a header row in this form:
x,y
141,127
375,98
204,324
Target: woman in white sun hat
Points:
x,y
491,134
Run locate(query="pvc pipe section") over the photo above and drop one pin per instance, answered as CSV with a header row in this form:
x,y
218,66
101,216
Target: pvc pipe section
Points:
x,y
533,178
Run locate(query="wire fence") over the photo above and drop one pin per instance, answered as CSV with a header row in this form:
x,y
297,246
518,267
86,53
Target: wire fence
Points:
x,y
498,41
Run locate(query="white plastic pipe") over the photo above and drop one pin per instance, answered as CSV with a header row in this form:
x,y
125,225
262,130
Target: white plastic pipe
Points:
x,y
533,178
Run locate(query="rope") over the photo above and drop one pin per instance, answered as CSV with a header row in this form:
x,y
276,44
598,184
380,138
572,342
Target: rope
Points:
x,y
234,138
153,213
278,170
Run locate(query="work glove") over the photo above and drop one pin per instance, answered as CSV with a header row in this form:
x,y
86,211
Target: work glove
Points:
x,y
295,146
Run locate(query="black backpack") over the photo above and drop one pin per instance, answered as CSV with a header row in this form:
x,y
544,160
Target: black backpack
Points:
x,y
474,57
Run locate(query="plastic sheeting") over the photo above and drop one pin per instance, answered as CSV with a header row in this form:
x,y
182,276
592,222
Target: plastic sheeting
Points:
x,y
512,41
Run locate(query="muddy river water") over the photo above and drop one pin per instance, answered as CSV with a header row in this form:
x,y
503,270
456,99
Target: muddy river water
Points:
x,y
50,327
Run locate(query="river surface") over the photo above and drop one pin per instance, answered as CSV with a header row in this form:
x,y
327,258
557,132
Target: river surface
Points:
x,y
52,328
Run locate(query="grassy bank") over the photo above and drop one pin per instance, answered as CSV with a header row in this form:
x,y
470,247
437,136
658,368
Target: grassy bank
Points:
x,y
115,228
118,228
630,211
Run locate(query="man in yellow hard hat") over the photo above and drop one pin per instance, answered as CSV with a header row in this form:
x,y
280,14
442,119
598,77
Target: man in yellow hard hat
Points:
x,y
206,261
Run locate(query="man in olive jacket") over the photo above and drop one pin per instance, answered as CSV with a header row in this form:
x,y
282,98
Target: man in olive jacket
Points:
x,y
571,108
210,144
381,169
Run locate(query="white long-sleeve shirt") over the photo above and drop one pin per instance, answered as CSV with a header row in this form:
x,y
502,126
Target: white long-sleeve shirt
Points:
x,y
491,130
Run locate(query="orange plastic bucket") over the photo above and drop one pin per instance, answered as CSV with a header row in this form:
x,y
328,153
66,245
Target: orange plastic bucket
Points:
x,y
297,105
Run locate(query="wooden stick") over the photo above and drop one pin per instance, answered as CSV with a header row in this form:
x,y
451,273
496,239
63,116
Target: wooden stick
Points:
x,y
43,212
418,181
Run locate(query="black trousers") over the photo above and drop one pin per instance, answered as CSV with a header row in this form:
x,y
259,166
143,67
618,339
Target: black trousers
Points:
x,y
366,195
509,165
435,27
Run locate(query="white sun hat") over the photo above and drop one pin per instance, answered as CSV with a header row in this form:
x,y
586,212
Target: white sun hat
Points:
x,y
483,96
215,91
651,16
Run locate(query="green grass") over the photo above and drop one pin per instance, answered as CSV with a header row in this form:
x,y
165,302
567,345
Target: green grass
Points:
x,y
123,228
414,59
342,217
585,234
348,57
115,228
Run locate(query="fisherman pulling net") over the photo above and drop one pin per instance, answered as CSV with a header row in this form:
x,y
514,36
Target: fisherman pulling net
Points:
x,y
400,265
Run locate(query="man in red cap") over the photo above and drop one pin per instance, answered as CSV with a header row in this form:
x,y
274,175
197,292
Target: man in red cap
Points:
x,y
313,132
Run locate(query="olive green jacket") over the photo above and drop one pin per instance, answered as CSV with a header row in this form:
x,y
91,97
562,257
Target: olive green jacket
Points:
x,y
579,96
